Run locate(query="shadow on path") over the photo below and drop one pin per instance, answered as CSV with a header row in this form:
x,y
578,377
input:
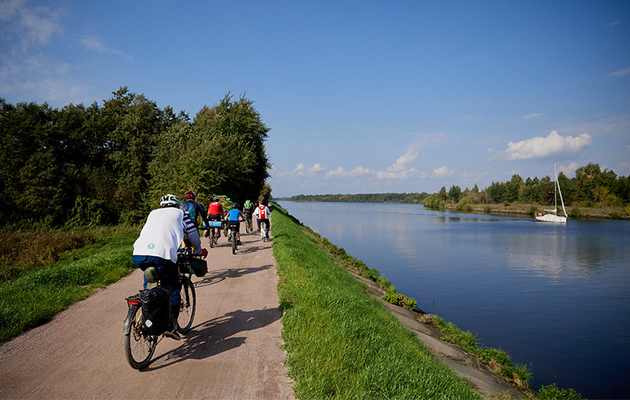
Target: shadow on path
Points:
x,y
216,336
216,276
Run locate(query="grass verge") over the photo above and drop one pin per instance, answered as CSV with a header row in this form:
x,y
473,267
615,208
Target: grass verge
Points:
x,y
340,342
40,291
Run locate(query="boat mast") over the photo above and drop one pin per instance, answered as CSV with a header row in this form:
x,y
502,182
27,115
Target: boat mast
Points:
x,y
558,185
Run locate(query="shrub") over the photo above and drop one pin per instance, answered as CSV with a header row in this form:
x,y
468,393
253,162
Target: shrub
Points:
x,y
552,392
400,300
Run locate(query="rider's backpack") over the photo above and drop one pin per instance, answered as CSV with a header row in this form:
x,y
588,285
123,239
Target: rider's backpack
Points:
x,y
156,311
262,212
191,209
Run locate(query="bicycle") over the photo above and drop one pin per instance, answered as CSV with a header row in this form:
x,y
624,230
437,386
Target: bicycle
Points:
x,y
264,234
248,223
233,238
139,343
215,233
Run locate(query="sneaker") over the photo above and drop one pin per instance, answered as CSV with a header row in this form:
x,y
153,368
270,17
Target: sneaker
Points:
x,y
173,334
239,243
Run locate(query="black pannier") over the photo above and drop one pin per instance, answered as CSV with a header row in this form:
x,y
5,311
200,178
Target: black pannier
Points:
x,y
156,305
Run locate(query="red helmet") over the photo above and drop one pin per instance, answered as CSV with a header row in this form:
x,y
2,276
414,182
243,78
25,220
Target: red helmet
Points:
x,y
190,195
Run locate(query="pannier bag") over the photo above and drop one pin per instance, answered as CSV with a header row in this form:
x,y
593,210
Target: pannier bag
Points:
x,y
198,267
156,304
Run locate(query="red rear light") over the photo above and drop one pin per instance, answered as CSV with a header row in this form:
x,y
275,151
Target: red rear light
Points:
x,y
133,302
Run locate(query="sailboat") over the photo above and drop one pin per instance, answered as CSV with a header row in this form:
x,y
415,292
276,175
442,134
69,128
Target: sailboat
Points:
x,y
552,215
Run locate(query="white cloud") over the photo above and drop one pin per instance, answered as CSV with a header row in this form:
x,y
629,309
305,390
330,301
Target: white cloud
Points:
x,y
359,171
533,115
620,72
401,168
337,172
316,168
442,172
545,146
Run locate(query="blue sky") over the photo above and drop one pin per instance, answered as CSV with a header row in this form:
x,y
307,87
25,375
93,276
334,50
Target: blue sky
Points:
x,y
360,96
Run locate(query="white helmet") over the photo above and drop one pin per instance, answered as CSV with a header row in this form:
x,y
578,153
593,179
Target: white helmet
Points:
x,y
169,200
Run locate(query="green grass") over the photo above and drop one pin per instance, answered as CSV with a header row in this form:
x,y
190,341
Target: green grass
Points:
x,y
41,291
340,342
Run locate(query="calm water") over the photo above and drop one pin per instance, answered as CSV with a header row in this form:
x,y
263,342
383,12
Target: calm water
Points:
x,y
555,297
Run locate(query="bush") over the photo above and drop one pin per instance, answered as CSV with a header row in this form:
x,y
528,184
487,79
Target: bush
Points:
x,y
552,392
400,300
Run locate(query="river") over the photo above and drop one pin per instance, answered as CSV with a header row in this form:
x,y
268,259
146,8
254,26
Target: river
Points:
x,y
554,297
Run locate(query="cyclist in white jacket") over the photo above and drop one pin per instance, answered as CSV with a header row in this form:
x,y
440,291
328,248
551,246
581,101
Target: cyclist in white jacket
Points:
x,y
163,231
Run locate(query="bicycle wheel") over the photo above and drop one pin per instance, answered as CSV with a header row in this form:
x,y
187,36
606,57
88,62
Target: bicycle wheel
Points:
x,y
187,306
139,347
234,242
248,226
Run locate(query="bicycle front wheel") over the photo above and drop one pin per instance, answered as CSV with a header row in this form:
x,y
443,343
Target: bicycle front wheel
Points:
x,y
139,347
187,306
234,242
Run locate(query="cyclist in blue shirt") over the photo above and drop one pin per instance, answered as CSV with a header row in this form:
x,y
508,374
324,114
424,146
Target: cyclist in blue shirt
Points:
x,y
234,218
193,208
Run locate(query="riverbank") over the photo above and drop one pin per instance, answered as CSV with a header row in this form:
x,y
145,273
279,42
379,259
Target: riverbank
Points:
x,y
522,210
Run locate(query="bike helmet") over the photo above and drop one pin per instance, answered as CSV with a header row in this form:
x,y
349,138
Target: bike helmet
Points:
x,y
190,195
236,206
215,199
169,200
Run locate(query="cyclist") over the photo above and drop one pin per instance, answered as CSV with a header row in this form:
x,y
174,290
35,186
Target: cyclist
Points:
x,y
193,208
248,210
215,213
161,235
262,214
234,218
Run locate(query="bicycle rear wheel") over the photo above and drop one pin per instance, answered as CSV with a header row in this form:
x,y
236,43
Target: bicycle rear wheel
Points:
x,y
234,242
139,347
187,306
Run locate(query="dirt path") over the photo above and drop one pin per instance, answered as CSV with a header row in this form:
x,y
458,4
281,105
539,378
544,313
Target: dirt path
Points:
x,y
232,352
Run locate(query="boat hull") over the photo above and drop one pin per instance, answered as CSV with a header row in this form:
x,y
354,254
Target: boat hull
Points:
x,y
551,218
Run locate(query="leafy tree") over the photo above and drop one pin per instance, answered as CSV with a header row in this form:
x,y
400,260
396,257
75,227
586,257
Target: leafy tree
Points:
x,y
454,193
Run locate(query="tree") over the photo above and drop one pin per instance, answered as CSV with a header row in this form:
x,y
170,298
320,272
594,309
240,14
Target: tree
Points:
x,y
454,193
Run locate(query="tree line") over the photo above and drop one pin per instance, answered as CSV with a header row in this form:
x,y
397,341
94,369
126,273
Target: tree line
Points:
x,y
363,197
94,165
591,187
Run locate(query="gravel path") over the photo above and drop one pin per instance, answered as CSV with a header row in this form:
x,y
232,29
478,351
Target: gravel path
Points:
x,y
232,352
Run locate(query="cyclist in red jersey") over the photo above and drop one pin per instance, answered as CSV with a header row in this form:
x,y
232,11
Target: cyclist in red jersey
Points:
x,y
215,212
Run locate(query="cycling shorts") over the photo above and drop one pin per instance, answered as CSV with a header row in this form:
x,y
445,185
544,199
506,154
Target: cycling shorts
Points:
x,y
234,225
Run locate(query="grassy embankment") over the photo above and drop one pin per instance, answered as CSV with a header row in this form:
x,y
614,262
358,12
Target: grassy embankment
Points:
x,y
42,272
342,343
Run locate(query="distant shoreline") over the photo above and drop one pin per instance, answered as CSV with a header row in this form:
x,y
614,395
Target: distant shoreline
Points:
x,y
520,210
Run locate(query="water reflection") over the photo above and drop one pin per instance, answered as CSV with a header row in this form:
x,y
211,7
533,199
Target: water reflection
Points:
x,y
555,296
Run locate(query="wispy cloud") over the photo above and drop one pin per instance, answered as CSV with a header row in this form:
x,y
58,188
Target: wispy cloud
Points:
x,y
545,146
533,115
620,72
31,25
91,42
